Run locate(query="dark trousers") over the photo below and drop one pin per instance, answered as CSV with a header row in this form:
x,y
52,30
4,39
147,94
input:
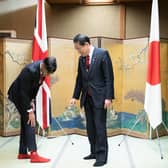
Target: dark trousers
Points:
x,y
96,129
27,134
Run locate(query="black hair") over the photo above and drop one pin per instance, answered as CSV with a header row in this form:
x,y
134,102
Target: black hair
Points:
x,y
50,64
81,39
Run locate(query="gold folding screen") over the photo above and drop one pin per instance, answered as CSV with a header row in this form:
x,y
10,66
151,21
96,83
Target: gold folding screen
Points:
x,y
14,54
1,87
129,58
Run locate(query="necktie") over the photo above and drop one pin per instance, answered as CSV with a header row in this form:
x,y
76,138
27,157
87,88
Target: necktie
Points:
x,y
87,62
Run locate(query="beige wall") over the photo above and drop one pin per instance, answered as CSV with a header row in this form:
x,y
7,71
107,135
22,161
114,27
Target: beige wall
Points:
x,y
91,20
138,19
66,21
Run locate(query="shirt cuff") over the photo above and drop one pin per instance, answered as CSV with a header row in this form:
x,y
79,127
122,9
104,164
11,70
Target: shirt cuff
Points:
x,y
30,110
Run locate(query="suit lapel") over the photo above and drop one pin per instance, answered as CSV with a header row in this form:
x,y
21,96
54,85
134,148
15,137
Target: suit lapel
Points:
x,y
36,66
38,69
83,63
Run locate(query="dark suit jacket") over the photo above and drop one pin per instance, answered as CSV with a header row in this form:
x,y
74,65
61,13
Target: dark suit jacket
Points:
x,y
99,79
25,87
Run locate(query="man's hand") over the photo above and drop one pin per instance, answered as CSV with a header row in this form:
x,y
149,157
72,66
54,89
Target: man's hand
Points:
x,y
107,103
31,120
72,101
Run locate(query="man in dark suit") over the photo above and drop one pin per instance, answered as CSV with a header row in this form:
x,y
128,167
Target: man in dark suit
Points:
x,y
22,93
95,82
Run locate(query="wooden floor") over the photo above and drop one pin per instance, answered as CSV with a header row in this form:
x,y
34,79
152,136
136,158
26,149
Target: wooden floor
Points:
x,y
133,153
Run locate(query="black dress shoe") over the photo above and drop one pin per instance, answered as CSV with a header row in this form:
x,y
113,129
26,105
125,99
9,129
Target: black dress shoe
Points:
x,y
99,163
91,156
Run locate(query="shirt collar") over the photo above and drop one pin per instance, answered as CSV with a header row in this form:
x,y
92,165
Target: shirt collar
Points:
x,y
91,51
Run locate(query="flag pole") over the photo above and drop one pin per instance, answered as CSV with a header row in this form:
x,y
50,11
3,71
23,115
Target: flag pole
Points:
x,y
128,133
150,132
160,148
157,134
63,130
153,103
165,126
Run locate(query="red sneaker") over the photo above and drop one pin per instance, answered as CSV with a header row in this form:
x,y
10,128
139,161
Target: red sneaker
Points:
x,y
35,158
23,156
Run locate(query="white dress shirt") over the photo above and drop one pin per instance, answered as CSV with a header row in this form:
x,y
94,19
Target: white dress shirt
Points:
x,y
91,53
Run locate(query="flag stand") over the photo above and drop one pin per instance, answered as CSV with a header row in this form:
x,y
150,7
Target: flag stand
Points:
x,y
141,116
44,135
136,122
160,148
65,133
38,134
63,130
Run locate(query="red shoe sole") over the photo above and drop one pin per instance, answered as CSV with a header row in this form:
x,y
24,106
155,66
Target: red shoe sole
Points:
x,y
23,156
36,161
